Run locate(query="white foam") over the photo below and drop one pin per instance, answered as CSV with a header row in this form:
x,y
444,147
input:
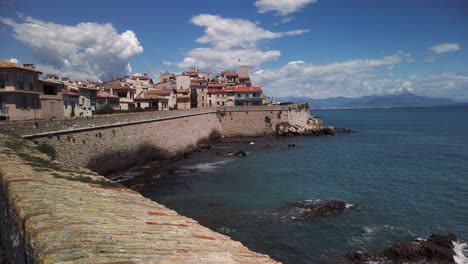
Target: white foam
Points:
x,y
349,205
461,252
208,166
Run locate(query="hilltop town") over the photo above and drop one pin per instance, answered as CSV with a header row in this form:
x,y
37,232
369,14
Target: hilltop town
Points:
x,y
25,94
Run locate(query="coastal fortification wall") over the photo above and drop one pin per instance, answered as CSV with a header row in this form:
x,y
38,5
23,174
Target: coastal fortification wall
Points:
x,y
107,144
52,214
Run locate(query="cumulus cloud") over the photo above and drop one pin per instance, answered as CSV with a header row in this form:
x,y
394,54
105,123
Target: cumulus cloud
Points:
x,y
233,42
213,59
445,47
282,7
225,33
83,51
358,78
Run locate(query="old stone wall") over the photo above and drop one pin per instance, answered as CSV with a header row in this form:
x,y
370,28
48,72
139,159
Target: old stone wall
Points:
x,y
111,143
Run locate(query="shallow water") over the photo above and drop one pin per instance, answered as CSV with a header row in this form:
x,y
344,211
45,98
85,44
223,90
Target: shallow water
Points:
x,y
408,168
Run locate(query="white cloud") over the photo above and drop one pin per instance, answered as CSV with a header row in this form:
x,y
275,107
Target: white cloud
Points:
x,y
445,47
233,42
214,60
281,7
226,33
84,51
354,78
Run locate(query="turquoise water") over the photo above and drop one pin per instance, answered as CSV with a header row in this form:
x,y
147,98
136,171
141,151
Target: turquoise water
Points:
x,y
408,168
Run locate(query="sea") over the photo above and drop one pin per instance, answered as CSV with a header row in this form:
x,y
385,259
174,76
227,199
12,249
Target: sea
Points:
x,y
406,170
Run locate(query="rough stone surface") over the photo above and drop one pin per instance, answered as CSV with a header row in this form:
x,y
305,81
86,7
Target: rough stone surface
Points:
x,y
107,144
54,215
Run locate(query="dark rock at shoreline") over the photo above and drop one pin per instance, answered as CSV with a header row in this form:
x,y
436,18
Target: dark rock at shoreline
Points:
x,y
240,153
291,145
436,249
329,208
171,170
343,130
204,146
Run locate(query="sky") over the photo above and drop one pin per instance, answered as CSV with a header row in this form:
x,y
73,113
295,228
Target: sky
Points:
x,y
311,48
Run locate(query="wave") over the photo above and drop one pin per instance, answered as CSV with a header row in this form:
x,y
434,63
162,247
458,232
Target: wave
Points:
x,y
206,166
461,252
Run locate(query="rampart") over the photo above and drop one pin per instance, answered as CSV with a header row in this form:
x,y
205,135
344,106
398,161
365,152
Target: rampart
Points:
x,y
106,144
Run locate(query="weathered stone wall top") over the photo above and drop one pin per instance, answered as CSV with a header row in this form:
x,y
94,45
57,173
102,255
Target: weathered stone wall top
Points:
x,y
54,215
32,127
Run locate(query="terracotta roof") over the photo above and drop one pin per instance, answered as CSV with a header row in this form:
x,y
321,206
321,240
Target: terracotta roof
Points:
x,y
87,88
216,91
101,95
229,73
74,89
181,96
192,73
118,87
247,89
147,97
183,90
69,93
160,92
11,65
140,77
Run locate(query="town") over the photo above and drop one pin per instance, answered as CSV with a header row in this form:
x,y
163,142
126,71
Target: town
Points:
x,y
25,95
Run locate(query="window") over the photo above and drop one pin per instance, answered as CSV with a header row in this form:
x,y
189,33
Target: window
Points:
x,y
20,80
30,80
3,80
24,102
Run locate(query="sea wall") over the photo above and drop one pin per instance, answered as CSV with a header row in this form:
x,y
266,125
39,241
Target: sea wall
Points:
x,y
107,144
52,214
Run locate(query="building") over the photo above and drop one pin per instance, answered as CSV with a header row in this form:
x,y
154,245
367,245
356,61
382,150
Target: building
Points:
x,y
51,99
141,83
182,82
198,91
169,85
216,97
70,103
230,78
170,95
244,96
125,95
244,77
166,76
87,100
19,92
183,99
103,99
152,102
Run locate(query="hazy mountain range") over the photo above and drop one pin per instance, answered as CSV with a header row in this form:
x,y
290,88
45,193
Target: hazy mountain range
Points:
x,y
374,101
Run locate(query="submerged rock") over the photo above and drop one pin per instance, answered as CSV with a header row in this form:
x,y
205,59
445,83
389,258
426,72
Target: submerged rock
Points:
x,y
436,249
343,130
240,153
329,208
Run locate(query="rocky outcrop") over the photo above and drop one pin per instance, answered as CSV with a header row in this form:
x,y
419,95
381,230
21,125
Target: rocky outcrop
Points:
x,y
311,209
435,249
313,126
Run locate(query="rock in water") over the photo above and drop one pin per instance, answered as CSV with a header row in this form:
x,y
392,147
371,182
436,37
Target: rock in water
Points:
x,y
240,153
436,249
329,208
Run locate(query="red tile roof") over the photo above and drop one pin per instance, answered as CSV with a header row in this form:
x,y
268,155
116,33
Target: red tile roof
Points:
x,y
216,91
69,93
247,89
140,77
160,92
11,65
118,87
101,95
147,97
229,73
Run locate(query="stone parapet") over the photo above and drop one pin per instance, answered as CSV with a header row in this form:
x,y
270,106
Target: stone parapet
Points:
x,y
55,215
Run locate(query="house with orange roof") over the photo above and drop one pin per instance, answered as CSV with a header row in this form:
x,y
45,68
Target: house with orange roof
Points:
x,y
216,97
70,100
20,92
103,99
152,102
51,99
125,93
183,98
246,96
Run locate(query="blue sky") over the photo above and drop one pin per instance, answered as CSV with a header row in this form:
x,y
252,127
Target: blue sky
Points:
x,y
311,48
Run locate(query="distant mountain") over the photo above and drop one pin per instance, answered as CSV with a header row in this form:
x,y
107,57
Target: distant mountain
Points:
x,y
374,101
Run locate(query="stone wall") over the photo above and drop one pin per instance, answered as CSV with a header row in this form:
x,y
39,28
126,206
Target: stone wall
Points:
x,y
55,215
111,143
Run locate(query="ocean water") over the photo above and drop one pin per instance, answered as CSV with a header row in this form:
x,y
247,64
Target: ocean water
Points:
x,y
406,168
